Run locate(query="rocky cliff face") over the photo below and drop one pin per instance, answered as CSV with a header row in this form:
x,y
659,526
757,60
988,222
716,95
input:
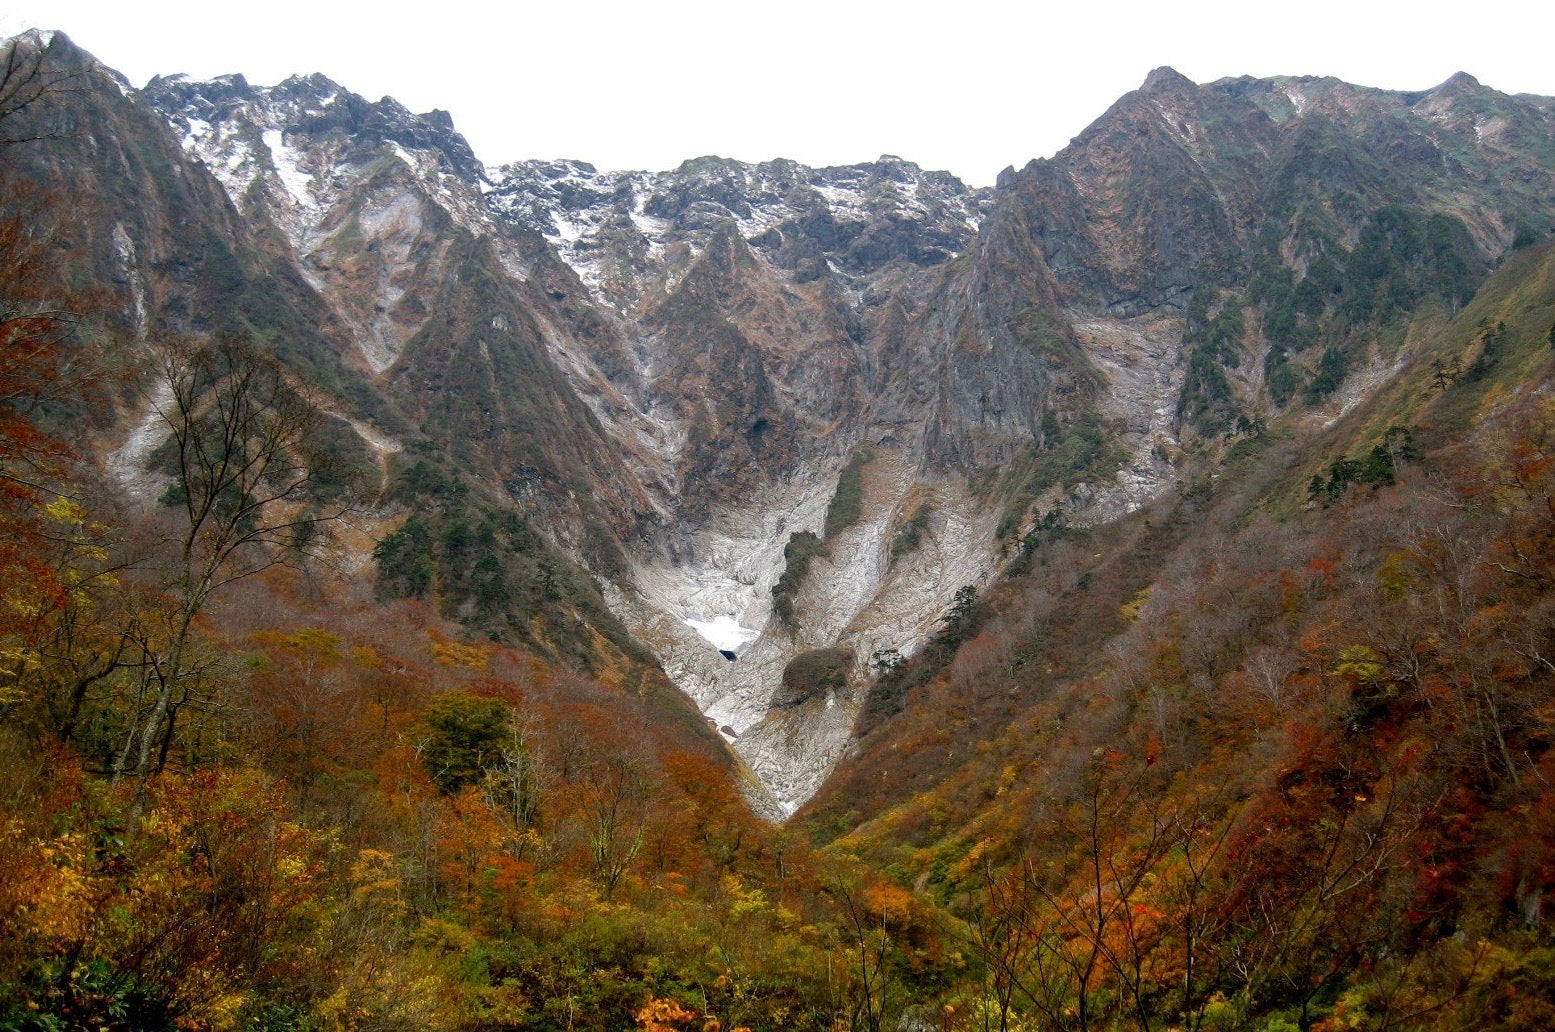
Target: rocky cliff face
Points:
x,y
674,373
736,333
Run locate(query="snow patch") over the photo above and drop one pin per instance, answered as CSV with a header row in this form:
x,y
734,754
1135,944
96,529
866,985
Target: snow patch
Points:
x,y
195,134
125,247
294,179
404,155
724,632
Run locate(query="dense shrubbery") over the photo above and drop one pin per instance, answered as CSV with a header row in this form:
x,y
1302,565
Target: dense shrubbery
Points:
x,y
847,502
803,546
1212,346
814,675
1084,449
361,822
1402,258
1376,469
487,567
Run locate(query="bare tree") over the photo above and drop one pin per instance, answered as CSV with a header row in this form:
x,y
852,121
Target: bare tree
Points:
x,y
1080,945
871,947
616,798
1080,935
517,781
244,455
998,933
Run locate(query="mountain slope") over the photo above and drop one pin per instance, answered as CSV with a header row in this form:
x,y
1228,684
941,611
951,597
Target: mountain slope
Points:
x,y
1296,716
1138,576
672,374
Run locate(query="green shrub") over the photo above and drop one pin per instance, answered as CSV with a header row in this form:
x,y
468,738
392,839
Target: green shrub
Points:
x,y
802,547
906,540
463,735
814,675
847,502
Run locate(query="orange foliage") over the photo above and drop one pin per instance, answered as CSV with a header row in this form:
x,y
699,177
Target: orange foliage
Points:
x,y
663,1015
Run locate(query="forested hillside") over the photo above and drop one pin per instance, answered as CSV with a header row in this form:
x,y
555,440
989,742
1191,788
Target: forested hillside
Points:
x,y
1274,751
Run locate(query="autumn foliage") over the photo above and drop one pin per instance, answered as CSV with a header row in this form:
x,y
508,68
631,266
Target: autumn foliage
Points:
x,y
1273,753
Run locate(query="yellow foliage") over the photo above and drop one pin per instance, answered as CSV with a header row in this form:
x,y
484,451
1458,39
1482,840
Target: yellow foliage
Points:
x,y
52,890
454,654
1129,611
332,1011
442,936
375,881
966,867
662,1015
1361,663
225,1009
743,902
73,516
888,901
14,662
314,641
65,511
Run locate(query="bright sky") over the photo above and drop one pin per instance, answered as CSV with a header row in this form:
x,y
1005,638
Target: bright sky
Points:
x,y
966,85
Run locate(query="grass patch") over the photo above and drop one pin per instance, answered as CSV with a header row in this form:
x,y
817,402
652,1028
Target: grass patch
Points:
x,y
910,536
814,675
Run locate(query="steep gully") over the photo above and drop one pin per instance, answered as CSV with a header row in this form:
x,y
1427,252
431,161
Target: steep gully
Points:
x,y
811,258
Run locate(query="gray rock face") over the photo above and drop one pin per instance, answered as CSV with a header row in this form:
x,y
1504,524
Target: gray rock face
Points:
x,y
627,234
735,330
366,194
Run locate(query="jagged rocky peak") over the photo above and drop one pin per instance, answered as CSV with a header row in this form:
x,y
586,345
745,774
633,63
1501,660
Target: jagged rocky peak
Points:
x,y
629,233
367,194
302,111
545,196
1166,79
63,53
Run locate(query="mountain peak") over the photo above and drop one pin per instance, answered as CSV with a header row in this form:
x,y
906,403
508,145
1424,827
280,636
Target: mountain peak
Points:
x,y
63,53
43,38
1165,78
317,84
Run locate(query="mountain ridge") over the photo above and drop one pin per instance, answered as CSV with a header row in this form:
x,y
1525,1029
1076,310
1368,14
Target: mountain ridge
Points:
x,y
754,596
637,357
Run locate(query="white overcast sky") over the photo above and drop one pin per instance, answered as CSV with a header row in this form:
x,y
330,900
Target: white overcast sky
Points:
x,y
966,85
